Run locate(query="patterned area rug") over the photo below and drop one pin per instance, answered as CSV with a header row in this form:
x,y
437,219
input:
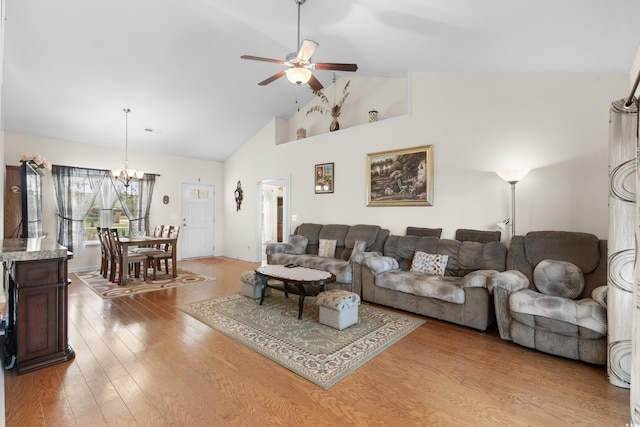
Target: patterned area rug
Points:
x,y
321,354
106,289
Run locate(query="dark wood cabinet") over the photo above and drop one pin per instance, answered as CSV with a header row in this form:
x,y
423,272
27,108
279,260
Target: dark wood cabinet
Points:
x,y
38,313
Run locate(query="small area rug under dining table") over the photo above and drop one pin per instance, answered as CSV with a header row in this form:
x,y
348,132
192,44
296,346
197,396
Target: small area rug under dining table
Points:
x,y
319,353
107,289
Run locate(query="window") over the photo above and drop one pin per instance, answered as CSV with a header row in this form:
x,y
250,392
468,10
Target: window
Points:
x,y
107,218
86,200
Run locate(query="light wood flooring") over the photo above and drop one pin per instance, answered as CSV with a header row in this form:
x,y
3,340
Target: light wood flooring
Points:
x,y
140,361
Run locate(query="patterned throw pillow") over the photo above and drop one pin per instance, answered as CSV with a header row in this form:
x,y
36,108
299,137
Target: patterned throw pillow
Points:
x,y
434,264
327,248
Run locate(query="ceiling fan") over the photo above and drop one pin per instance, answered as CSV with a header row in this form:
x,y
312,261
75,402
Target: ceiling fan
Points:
x,y
300,64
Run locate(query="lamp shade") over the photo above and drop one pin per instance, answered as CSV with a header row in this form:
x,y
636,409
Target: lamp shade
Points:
x,y
513,176
298,75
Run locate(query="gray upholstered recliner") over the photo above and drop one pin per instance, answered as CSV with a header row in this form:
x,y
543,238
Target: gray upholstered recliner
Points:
x,y
552,297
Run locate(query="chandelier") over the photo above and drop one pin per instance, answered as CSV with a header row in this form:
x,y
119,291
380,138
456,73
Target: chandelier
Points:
x,y
126,174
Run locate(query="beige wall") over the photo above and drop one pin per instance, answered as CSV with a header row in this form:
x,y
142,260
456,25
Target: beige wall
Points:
x,y
173,172
554,123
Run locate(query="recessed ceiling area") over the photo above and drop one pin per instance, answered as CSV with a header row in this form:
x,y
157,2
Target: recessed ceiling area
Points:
x,y
71,66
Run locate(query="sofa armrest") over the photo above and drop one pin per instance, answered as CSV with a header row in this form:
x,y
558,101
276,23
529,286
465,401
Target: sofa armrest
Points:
x,y
599,295
510,280
275,248
361,256
479,278
502,285
380,264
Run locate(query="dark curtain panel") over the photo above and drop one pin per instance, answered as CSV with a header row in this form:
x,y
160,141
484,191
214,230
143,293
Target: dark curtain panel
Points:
x,y
136,202
76,190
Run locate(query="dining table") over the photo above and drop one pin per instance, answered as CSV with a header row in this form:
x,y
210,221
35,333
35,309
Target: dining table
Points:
x,y
141,241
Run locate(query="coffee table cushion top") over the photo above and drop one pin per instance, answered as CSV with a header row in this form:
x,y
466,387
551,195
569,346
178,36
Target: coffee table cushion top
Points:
x,y
293,273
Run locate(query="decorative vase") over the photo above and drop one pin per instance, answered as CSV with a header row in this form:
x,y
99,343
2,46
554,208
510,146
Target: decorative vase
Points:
x,y
373,116
334,125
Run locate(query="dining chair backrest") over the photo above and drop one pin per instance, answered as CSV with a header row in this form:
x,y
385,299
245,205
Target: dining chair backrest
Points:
x,y
157,231
114,240
101,240
174,230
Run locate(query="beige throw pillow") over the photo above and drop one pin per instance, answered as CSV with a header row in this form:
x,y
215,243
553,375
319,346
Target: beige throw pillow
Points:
x,y
327,248
434,264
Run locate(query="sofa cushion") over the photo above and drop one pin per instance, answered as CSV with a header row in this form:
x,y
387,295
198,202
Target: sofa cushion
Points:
x,y
581,249
434,264
327,248
445,288
480,236
298,244
311,231
402,248
423,232
361,232
585,318
336,232
558,278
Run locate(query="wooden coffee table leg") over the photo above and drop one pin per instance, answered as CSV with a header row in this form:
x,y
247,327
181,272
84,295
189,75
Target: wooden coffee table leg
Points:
x,y
300,300
264,288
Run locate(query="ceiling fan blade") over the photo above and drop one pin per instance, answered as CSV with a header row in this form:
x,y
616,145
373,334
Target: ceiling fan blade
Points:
x,y
307,49
315,84
259,58
272,78
335,66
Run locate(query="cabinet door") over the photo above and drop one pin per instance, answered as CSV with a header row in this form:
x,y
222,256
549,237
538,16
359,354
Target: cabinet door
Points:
x,y
36,323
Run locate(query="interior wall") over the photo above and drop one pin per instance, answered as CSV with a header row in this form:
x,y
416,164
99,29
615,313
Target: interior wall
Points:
x,y
556,124
388,96
173,172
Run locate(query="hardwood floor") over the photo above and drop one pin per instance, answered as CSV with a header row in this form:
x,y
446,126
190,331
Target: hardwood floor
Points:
x,y
140,361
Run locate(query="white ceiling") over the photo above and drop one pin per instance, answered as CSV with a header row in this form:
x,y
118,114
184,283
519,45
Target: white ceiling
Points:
x,y
71,66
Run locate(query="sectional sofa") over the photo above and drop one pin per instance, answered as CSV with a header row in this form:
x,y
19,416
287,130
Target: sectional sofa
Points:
x,y
336,248
456,292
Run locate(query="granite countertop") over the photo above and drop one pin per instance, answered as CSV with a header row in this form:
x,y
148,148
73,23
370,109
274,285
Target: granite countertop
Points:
x,y
31,249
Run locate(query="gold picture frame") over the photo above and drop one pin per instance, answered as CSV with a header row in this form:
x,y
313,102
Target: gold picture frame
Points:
x,y
324,178
400,177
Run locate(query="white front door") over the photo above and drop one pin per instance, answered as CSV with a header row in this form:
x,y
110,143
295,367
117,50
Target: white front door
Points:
x,y
197,233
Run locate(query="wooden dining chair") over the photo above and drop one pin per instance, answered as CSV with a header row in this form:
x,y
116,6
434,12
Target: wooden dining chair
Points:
x,y
158,231
105,251
134,259
166,253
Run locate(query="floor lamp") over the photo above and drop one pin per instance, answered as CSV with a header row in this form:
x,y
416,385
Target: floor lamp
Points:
x,y
513,177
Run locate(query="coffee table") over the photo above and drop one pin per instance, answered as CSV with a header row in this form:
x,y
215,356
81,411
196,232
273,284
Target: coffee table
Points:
x,y
296,280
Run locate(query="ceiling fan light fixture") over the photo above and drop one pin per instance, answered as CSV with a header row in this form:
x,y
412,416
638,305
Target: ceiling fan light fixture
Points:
x,y
298,75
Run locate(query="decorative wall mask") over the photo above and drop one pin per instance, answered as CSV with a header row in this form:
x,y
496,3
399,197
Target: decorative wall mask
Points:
x,y
238,196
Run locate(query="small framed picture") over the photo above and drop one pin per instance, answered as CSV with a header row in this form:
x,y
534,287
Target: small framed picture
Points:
x,y
324,178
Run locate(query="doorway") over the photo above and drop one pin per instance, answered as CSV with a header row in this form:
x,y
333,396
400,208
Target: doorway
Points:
x,y
273,213
197,234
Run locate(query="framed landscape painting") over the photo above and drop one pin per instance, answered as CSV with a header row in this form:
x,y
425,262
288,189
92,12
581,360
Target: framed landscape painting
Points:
x,y
324,178
400,177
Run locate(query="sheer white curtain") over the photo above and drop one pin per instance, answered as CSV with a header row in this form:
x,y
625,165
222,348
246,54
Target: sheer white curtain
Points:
x,y
76,190
136,202
107,198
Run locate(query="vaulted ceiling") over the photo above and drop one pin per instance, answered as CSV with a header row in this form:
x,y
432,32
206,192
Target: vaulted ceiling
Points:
x,y
71,66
